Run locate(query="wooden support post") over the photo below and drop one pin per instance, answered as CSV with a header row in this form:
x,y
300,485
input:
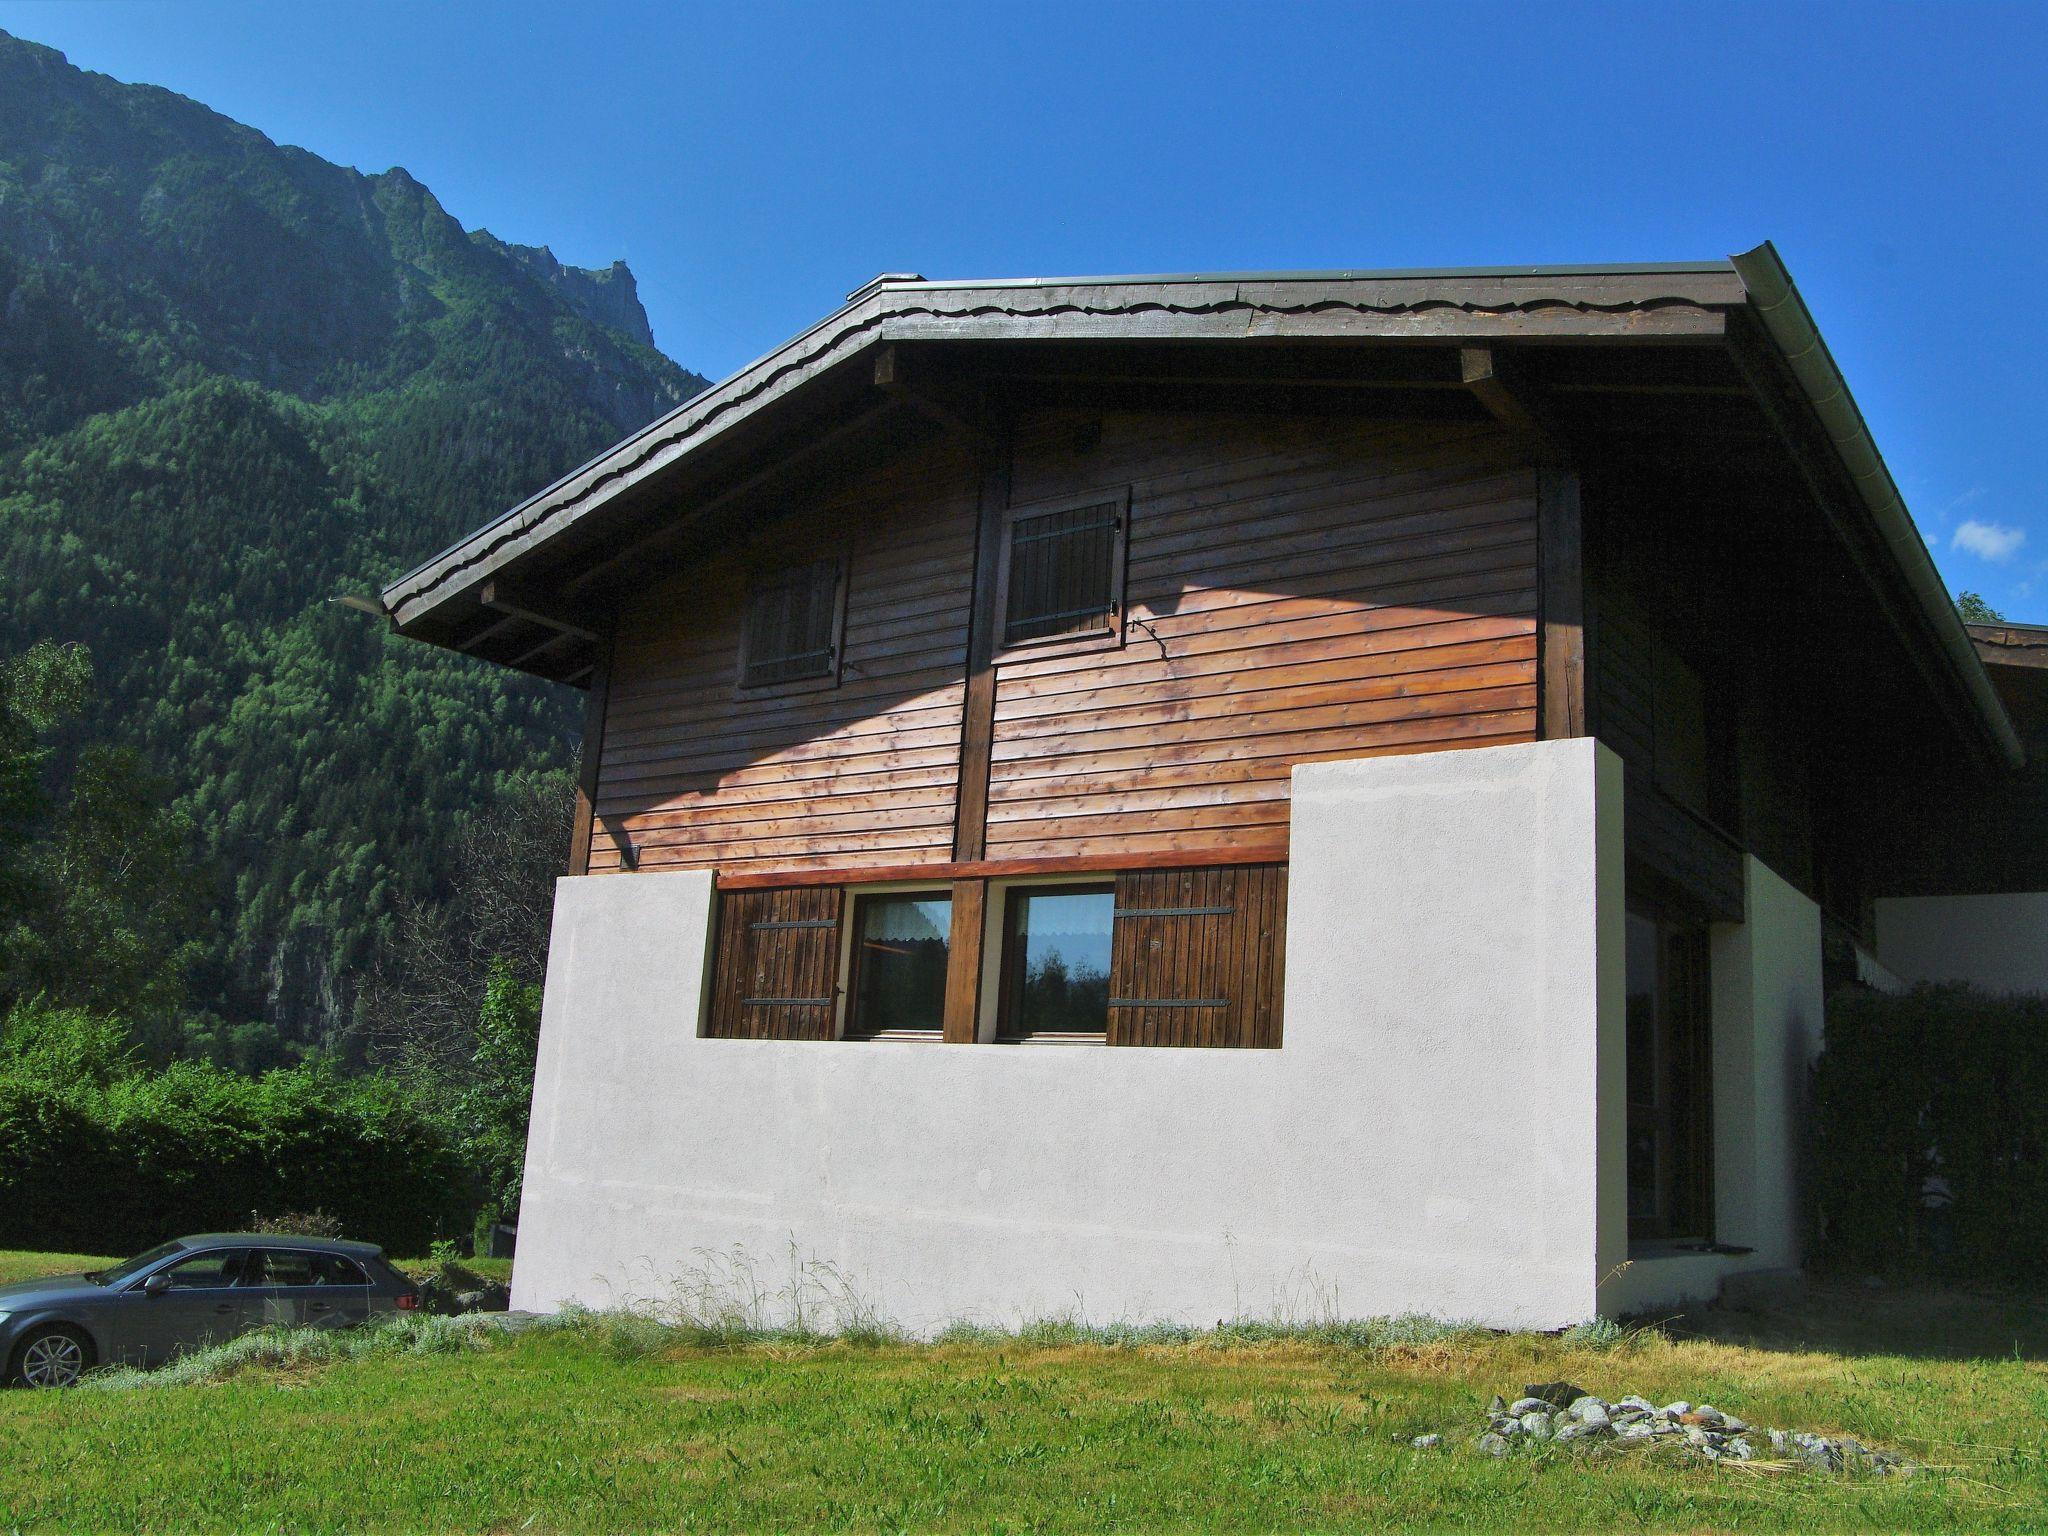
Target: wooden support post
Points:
x,y
1561,605
978,720
977,743
964,962
593,752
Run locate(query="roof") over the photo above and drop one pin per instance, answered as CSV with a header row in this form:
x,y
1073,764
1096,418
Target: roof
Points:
x,y
287,1240
1533,306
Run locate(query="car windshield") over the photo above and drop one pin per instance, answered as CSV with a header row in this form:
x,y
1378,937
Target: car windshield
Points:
x,y
130,1268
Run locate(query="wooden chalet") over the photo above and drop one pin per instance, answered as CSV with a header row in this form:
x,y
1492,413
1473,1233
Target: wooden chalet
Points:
x,y
1417,679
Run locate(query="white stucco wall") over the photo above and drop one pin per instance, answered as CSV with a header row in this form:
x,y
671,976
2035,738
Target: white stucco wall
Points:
x,y
1999,943
1768,1012
1438,1133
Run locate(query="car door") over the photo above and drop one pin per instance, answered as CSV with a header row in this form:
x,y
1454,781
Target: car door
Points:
x,y
300,1288
197,1301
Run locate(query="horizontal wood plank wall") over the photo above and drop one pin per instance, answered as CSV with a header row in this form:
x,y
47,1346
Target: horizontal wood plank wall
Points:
x,y
695,774
1299,589
1196,956
776,974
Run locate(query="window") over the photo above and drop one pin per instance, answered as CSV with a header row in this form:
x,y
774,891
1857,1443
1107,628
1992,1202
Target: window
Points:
x,y
900,945
1055,959
1159,957
793,624
1670,1126
208,1271
281,1266
1063,572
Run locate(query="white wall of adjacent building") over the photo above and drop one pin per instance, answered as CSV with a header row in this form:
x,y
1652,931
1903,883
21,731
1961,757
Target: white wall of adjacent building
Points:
x,y
1999,943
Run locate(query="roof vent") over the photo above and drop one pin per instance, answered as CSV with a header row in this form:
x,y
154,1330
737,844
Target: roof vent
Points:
x,y
877,283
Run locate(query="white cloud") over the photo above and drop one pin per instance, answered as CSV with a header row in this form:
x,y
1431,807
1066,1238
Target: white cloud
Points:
x,y
1989,541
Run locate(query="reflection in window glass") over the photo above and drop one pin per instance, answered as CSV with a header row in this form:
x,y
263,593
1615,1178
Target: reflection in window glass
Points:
x,y
1056,961
899,963
209,1271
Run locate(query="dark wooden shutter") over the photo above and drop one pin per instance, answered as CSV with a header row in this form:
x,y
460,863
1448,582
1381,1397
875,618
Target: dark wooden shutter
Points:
x,y
792,626
1196,957
776,968
1062,573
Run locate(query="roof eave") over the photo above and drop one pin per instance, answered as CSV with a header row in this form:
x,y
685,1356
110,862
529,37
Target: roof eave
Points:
x,y
1481,303
1789,324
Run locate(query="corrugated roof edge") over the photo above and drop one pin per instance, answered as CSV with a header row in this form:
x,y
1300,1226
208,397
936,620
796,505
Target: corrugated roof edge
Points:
x,y
1332,275
396,592
1779,305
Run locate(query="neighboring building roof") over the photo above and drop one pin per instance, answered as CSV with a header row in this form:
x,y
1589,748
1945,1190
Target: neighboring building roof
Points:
x,y
1459,305
2011,645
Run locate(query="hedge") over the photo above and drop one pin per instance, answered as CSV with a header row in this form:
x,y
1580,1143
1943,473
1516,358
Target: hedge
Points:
x,y
116,1167
1928,1139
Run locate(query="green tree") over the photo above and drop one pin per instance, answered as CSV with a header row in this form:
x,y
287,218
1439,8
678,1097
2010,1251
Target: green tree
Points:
x,y
95,906
1975,610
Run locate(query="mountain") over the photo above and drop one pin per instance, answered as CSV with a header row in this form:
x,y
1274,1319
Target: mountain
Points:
x,y
236,381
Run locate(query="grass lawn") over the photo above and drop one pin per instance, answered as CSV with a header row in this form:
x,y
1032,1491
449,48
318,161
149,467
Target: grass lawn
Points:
x,y
603,1427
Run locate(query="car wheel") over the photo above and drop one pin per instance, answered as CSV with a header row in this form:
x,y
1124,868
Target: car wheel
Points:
x,y
53,1357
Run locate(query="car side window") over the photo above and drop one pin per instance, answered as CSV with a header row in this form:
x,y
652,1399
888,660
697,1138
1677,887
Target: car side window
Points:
x,y
208,1271
333,1269
280,1266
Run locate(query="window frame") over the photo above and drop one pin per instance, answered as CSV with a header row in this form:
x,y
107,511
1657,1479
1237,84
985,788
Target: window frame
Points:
x,y
1108,637
1684,1127
849,962
1002,959
762,578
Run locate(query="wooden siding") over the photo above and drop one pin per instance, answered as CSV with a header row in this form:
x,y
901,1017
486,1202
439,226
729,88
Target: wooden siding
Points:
x,y
1196,956
1298,590
695,774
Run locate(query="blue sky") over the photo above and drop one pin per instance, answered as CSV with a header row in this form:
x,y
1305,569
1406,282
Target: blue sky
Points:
x,y
755,163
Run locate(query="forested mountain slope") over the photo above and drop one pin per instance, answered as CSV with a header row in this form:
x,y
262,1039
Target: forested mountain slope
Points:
x,y
235,381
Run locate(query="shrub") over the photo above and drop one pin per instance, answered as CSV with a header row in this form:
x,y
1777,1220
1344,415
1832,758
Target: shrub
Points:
x,y
119,1166
1928,1140
296,1224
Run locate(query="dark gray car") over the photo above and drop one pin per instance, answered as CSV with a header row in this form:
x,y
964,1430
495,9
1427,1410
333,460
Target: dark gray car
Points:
x,y
187,1293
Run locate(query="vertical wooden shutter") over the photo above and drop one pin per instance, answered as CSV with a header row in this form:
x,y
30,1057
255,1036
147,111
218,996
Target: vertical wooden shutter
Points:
x,y
1196,956
792,628
776,969
1062,575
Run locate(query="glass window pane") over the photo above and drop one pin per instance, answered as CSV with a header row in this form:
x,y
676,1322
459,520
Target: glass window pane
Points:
x,y
280,1267
1057,961
209,1270
899,962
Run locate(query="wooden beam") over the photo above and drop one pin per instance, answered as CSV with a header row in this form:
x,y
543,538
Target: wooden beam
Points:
x,y
1481,370
1560,605
893,376
498,626
650,545
964,960
978,716
587,768
502,597
534,652
1194,856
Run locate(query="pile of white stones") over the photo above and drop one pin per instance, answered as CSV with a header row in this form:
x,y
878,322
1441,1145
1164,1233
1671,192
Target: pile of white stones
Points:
x,y
1559,1413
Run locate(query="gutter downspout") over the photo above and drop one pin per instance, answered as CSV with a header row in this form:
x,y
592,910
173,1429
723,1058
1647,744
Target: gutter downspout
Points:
x,y
1790,326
